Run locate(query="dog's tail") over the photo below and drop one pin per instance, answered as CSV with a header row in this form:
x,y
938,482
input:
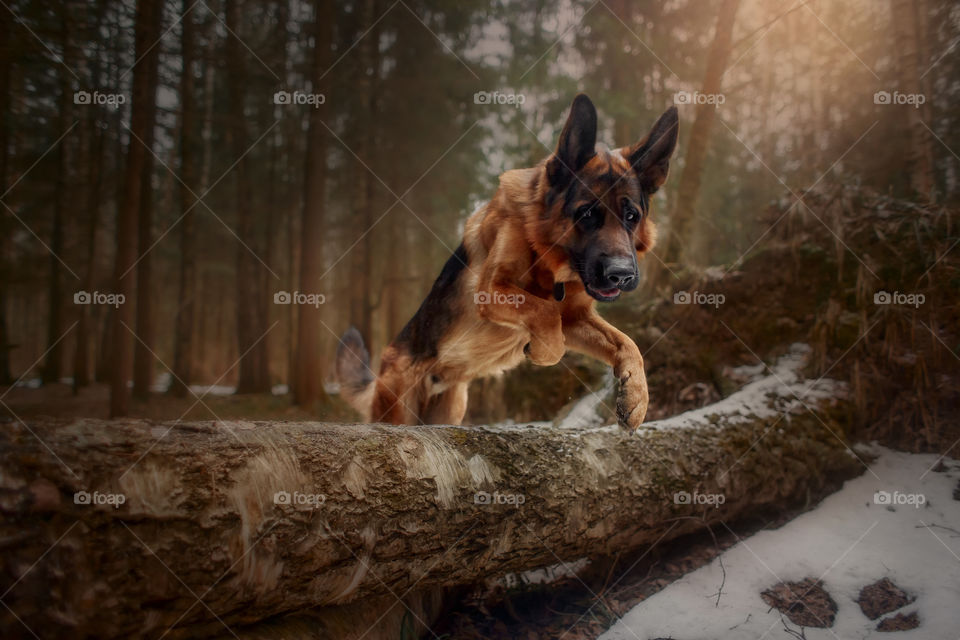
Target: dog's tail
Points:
x,y
354,374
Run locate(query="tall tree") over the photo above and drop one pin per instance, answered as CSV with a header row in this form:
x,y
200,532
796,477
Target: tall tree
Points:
x,y
94,177
6,61
251,296
366,91
183,336
698,140
309,374
62,185
143,359
146,32
909,18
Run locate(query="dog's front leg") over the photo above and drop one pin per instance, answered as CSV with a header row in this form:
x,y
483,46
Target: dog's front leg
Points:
x,y
592,335
500,299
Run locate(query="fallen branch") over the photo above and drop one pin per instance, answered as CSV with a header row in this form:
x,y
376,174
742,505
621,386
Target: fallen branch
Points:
x,y
180,527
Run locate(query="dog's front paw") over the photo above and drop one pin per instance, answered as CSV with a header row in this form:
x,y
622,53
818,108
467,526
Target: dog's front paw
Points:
x,y
632,397
546,347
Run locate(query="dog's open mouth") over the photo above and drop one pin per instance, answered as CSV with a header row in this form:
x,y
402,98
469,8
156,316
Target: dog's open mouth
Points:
x,y
604,294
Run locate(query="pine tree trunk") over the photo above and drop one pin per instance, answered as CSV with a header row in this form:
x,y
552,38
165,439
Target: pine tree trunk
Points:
x,y
309,378
6,61
81,362
251,303
908,32
53,365
185,318
143,358
688,190
147,31
368,56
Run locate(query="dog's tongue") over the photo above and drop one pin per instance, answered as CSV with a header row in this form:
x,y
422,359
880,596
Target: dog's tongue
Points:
x,y
607,293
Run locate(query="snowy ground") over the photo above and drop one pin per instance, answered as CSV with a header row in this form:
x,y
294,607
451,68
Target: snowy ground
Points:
x,y
852,539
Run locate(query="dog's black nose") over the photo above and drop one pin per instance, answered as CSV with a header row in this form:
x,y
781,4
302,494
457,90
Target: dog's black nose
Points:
x,y
620,273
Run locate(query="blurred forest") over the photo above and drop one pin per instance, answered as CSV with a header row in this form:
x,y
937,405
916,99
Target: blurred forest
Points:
x,y
175,172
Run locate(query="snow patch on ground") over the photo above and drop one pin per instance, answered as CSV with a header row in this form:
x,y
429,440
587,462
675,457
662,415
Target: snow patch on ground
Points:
x,y
852,539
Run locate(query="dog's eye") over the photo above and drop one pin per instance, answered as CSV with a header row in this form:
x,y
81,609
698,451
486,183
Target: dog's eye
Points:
x,y
630,213
585,212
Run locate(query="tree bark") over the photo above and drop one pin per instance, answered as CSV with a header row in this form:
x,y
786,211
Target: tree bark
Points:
x,y
53,364
6,62
86,324
122,352
81,361
185,320
205,508
907,17
368,55
143,358
699,139
251,298
309,378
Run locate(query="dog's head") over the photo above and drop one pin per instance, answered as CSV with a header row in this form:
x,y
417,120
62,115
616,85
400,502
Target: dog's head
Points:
x,y
598,201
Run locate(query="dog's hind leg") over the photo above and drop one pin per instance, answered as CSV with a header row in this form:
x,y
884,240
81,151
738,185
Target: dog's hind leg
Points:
x,y
448,407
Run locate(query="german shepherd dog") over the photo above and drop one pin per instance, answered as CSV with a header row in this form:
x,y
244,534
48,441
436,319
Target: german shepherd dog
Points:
x,y
524,283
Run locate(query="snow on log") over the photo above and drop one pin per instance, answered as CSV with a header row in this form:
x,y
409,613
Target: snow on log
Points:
x,y
121,528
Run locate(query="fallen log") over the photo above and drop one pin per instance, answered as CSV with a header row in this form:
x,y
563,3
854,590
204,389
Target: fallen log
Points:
x,y
130,528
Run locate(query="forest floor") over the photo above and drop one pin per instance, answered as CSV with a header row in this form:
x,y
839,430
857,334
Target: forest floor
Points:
x,y
878,556
725,583
57,401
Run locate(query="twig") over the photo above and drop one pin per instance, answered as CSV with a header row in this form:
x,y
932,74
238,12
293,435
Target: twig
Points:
x,y
716,545
939,526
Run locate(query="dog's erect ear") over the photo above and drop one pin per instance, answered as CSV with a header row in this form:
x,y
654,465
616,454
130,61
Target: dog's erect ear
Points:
x,y
650,157
578,141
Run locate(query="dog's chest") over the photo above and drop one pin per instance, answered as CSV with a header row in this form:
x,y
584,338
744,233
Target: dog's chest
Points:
x,y
481,348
